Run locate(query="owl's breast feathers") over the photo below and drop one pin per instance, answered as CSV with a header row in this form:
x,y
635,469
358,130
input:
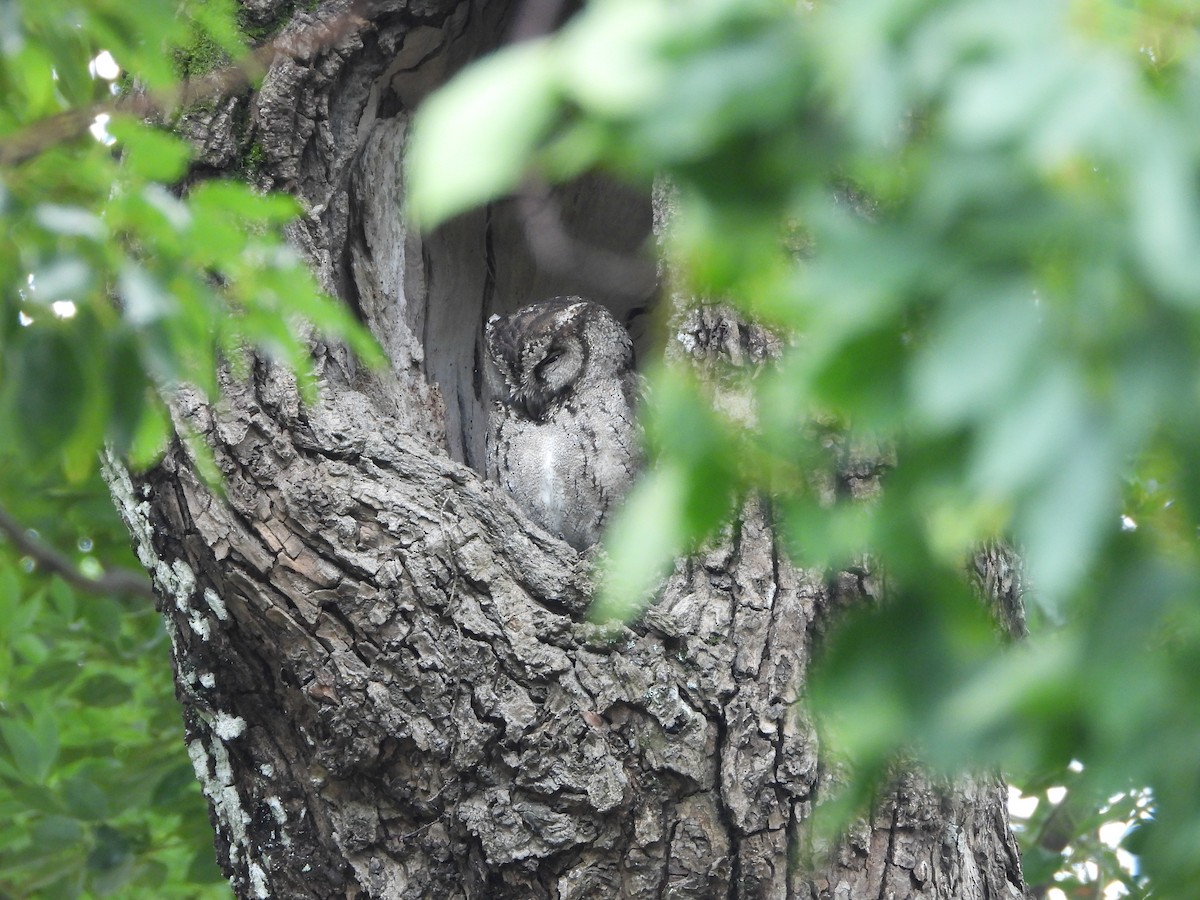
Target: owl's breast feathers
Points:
x,y
568,471
563,438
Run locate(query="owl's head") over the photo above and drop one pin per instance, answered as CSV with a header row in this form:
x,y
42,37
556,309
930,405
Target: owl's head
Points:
x,y
548,351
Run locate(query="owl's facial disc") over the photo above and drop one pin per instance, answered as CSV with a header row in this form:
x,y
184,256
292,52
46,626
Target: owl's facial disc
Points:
x,y
549,371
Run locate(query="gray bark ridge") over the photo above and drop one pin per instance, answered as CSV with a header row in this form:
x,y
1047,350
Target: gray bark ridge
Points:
x,y
388,682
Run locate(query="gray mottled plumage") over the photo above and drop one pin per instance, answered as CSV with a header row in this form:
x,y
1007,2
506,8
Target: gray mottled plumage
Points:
x,y
562,438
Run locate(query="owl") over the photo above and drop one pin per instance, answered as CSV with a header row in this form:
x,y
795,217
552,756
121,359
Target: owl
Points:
x,y
562,435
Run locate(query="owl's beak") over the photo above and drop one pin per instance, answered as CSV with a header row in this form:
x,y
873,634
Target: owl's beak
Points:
x,y
531,406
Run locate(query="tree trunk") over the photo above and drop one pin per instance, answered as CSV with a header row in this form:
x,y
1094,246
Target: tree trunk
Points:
x,y
388,683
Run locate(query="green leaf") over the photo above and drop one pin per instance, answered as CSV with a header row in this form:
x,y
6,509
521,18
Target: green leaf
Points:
x,y
144,299
55,673
231,201
46,387
10,592
611,60
151,436
70,221
177,782
32,754
1039,865
70,52
12,35
31,648
55,833
646,535
1027,431
997,100
975,356
1165,199
37,798
471,141
85,800
111,850
63,597
150,153
153,874
66,278
32,74
203,868
1062,525
129,390
104,691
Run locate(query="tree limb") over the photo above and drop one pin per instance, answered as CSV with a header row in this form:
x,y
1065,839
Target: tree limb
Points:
x,y
557,251
218,84
114,581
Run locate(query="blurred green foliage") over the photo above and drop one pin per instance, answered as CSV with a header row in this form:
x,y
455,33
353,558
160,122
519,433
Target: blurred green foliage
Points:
x,y
97,795
119,279
977,223
116,281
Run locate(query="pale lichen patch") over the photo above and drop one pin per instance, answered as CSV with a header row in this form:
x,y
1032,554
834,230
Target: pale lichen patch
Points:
x,y
219,789
215,773
199,625
216,604
228,727
258,881
176,580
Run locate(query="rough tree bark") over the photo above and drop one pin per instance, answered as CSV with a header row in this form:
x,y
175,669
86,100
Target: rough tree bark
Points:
x,y
388,685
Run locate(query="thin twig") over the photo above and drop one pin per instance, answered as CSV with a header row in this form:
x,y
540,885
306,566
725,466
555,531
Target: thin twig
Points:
x,y
555,250
125,582
216,85
534,19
